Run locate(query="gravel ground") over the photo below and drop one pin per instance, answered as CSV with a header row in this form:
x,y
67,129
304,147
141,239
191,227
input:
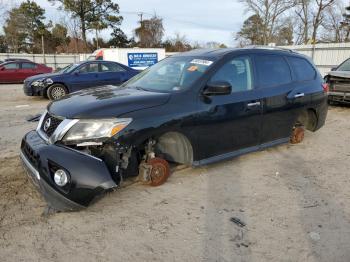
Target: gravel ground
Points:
x,y
294,200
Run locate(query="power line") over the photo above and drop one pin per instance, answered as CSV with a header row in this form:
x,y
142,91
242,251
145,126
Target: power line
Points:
x,y
177,20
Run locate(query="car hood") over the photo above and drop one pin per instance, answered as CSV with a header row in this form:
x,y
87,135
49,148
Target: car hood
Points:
x,y
42,76
344,74
105,102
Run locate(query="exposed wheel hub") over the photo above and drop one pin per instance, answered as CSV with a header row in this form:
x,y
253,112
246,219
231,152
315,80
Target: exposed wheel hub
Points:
x,y
154,172
297,135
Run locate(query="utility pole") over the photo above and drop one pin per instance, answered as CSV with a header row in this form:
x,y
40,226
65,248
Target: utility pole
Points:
x,y
141,16
43,47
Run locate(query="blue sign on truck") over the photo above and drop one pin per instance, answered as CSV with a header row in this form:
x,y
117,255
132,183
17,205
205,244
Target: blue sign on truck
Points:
x,y
142,59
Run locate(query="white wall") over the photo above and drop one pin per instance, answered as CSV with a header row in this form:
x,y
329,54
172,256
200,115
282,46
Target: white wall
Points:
x,y
325,56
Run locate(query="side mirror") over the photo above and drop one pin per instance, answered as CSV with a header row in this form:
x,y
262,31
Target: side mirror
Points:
x,y
217,88
333,69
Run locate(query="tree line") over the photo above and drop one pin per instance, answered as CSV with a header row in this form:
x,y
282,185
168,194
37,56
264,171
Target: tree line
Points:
x,y
27,30
286,22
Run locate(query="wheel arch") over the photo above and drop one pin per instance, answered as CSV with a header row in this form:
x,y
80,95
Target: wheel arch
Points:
x,y
175,147
308,118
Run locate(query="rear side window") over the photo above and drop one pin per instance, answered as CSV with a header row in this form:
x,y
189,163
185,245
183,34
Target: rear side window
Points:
x,y
111,67
28,66
272,70
302,69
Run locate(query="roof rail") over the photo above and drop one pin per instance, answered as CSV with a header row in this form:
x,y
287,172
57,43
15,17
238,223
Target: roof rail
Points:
x,y
269,48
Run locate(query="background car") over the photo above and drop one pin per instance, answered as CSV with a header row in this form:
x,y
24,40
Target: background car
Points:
x,y
16,59
338,81
17,71
76,77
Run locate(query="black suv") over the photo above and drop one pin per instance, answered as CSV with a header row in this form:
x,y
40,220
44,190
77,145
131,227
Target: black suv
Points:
x,y
193,108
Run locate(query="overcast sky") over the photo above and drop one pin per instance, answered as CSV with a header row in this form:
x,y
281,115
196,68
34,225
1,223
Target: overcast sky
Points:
x,y
199,20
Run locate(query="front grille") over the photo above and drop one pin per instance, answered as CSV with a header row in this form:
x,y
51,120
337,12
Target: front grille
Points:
x,y
32,157
49,124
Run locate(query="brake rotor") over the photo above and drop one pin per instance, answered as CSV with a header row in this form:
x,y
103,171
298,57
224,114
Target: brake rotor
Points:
x,y
297,135
160,171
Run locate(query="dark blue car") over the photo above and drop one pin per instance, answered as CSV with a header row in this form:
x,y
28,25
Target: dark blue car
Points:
x,y
76,77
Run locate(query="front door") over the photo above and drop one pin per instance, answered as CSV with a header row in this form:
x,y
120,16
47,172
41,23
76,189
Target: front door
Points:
x,y
85,76
9,73
230,122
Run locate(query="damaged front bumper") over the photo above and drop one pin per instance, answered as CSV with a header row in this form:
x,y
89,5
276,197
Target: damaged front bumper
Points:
x,y
30,90
88,176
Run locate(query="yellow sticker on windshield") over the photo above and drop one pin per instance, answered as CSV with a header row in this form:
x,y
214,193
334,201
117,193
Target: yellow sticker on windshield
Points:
x,y
192,68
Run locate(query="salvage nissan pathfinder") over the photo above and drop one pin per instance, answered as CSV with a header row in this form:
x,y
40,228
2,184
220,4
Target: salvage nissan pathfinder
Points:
x,y
193,108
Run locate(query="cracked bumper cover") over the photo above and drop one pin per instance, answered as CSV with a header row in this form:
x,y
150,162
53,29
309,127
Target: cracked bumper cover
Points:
x,y
89,176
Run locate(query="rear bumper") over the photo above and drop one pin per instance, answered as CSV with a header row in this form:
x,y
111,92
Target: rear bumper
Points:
x,y
89,176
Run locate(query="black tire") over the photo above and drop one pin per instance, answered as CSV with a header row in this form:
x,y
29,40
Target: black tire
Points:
x,y
56,91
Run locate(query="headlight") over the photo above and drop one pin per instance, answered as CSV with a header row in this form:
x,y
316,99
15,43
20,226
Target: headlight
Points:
x,y
48,81
95,129
38,83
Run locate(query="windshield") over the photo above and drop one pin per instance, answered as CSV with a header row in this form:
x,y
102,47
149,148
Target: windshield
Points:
x,y
70,68
344,66
171,74
64,69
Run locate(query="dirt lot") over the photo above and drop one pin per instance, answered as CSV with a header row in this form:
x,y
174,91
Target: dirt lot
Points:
x,y
294,200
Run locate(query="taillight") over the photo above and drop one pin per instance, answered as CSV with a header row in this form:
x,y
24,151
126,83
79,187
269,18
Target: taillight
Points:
x,y
325,87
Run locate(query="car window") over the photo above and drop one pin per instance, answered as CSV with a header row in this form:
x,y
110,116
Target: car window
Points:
x,y
345,66
272,70
302,69
28,66
237,72
111,67
89,68
11,66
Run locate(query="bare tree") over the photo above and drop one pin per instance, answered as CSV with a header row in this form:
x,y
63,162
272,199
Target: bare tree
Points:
x,y
303,21
270,11
150,32
318,15
332,23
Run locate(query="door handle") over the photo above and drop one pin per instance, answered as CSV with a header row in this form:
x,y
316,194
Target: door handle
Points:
x,y
299,95
253,104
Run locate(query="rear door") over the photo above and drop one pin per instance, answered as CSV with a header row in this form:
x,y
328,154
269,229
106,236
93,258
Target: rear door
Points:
x,y
9,73
27,69
282,100
232,122
112,73
85,76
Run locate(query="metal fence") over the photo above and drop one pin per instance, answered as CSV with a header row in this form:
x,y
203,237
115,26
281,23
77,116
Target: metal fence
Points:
x,y
52,60
325,56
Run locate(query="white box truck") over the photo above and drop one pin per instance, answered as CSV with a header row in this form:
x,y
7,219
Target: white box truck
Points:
x,y
137,58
